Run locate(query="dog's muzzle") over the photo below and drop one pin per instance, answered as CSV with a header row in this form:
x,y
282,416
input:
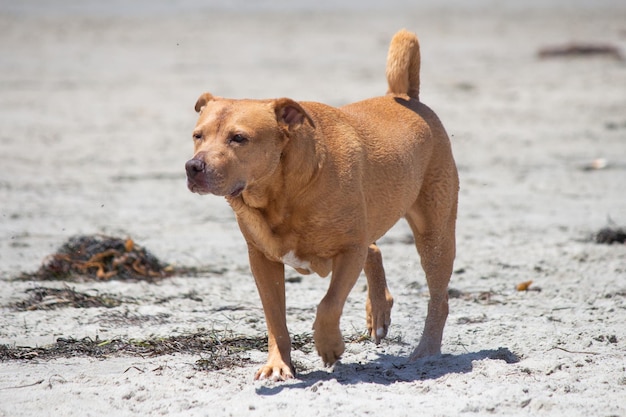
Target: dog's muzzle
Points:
x,y
196,176
203,179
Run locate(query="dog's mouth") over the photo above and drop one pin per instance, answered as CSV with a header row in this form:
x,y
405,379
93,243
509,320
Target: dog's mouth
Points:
x,y
195,188
201,188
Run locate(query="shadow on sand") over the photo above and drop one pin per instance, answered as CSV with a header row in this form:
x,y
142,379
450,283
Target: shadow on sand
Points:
x,y
389,369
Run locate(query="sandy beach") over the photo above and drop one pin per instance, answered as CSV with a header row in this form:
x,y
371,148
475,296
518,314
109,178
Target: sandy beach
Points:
x,y
96,115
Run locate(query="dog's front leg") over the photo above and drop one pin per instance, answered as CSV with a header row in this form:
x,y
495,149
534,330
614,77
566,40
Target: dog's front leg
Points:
x,y
270,281
346,269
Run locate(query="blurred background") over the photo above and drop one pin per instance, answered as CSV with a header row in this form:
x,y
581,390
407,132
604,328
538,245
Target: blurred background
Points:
x,y
96,110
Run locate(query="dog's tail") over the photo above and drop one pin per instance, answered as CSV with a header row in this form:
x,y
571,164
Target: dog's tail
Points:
x,y
403,65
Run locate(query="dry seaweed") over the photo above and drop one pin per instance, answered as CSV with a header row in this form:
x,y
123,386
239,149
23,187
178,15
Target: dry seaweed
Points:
x,y
610,235
218,349
100,257
42,298
211,343
481,297
580,50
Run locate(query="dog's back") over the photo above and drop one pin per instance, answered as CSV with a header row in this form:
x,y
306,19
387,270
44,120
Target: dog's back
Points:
x,y
401,138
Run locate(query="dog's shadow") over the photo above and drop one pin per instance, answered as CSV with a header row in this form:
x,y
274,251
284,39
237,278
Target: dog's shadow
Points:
x,y
390,369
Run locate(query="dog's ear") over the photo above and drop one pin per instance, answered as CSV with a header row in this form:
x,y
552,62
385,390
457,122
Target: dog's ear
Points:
x,y
202,101
290,113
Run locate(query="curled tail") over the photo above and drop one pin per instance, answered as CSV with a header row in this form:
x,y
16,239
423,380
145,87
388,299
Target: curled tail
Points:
x,y
403,65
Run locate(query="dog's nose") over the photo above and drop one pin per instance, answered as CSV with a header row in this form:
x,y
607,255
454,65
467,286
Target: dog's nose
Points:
x,y
194,166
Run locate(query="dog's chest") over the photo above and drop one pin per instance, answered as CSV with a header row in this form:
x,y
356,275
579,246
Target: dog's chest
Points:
x,y
299,254
296,263
286,245
307,264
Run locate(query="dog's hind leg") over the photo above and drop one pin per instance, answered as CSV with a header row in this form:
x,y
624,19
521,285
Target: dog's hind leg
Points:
x,y
432,219
379,300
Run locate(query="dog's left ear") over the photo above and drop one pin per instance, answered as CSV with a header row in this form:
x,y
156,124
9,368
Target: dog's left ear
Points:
x,y
290,113
202,101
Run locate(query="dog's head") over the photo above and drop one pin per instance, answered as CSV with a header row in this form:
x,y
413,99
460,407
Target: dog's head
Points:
x,y
239,143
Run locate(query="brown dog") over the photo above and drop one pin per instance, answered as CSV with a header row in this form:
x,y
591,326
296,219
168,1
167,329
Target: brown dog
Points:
x,y
314,186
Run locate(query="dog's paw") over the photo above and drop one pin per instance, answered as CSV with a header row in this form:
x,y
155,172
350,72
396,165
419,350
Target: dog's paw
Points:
x,y
426,347
329,345
378,317
275,372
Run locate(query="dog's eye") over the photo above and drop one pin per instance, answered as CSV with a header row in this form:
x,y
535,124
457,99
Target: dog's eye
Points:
x,y
238,138
197,135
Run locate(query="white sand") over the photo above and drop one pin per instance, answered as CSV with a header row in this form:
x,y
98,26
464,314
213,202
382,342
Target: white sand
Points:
x,y
96,113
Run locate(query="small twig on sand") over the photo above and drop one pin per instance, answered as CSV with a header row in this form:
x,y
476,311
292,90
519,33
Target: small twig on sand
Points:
x,y
25,386
133,367
574,351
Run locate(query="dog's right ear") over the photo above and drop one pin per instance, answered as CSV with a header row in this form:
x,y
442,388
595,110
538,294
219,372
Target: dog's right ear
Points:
x,y
202,101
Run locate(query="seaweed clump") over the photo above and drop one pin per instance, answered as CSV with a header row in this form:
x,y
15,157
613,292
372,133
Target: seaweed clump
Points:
x,y
102,258
610,235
